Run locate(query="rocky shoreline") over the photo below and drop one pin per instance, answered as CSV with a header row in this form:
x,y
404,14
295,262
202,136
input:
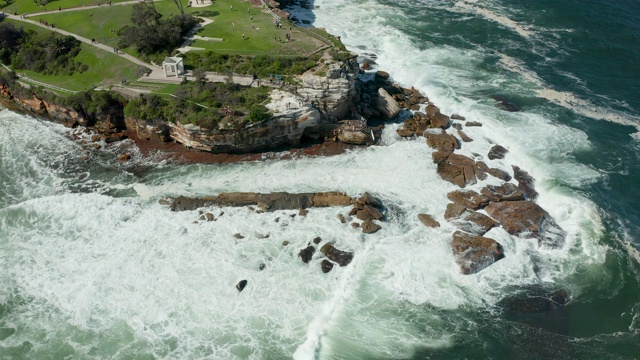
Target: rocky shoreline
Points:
x,y
338,95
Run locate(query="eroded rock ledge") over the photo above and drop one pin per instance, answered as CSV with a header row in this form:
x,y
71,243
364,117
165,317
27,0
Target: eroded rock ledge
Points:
x,y
367,208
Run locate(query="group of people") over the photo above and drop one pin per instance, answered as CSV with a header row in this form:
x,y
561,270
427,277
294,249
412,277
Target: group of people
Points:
x,y
46,23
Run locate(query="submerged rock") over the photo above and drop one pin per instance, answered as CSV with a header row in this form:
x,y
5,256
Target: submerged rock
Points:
x,y
369,212
326,266
527,218
241,285
307,253
534,300
474,253
369,227
525,183
428,220
497,152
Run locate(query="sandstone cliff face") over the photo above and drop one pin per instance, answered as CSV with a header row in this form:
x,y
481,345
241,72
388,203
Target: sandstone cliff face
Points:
x,y
334,93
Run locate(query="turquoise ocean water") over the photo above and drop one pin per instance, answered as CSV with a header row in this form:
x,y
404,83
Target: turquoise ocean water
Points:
x,y
93,267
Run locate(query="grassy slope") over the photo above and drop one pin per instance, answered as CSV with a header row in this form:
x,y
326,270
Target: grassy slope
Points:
x,y
260,33
97,26
105,68
29,7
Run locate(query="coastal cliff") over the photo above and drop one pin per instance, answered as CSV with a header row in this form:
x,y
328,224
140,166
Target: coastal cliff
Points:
x,y
310,110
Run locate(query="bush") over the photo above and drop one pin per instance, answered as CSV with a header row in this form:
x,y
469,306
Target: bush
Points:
x,y
258,113
46,53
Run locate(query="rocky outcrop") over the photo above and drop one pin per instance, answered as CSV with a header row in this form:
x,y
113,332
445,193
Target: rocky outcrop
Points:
x,y
368,208
420,122
267,202
458,169
342,258
474,253
527,219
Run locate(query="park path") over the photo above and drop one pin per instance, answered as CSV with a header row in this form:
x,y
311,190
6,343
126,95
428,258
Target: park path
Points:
x,y
157,74
80,8
87,41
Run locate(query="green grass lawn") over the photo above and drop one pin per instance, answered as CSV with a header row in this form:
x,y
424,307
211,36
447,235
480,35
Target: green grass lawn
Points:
x,y
105,68
98,26
29,7
261,36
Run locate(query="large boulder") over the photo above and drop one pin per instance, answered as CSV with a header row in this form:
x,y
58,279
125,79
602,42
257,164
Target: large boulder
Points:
x,y
504,192
342,258
442,141
497,152
440,120
368,199
526,218
525,183
369,227
428,220
369,212
457,169
500,174
386,104
354,137
469,198
474,253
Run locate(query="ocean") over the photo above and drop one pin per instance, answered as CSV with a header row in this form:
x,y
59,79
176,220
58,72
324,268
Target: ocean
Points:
x,y
93,266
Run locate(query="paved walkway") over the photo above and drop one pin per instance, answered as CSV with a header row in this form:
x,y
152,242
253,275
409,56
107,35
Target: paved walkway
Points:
x,y
88,41
157,74
80,8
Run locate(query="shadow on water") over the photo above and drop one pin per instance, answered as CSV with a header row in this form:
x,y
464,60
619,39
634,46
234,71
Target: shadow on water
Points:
x,y
301,11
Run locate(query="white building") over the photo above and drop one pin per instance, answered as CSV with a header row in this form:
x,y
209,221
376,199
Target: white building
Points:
x,y
173,66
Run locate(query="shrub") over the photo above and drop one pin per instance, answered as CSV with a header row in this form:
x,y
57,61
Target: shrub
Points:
x,y
258,113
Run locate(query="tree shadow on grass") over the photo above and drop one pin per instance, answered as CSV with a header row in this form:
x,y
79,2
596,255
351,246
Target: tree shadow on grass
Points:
x,y
206,13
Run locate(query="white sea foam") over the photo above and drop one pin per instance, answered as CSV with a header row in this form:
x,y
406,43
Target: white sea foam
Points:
x,y
567,99
471,6
154,282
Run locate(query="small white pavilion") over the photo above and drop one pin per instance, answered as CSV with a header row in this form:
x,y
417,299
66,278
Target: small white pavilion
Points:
x,y
173,66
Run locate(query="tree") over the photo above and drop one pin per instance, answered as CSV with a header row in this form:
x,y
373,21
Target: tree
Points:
x,y
200,75
179,5
151,34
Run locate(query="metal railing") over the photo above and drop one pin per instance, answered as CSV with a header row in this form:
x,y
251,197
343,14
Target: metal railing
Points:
x,y
35,82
